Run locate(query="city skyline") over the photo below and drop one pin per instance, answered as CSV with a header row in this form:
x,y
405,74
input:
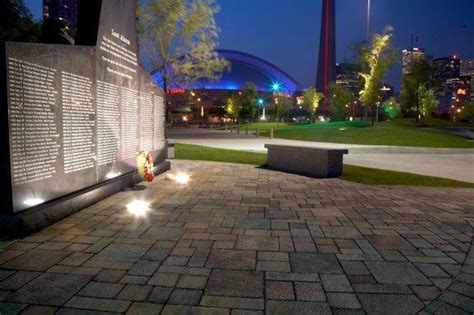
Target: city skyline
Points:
x,y
253,27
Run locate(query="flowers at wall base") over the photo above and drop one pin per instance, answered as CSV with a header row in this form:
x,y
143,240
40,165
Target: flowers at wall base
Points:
x,y
145,166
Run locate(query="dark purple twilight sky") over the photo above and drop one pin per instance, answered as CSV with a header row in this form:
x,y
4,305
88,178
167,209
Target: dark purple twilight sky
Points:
x,y
286,32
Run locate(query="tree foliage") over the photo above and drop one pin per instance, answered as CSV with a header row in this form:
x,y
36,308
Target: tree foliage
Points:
x,y
408,93
428,101
468,111
233,107
16,22
339,99
282,106
178,39
392,108
248,101
379,57
419,75
311,99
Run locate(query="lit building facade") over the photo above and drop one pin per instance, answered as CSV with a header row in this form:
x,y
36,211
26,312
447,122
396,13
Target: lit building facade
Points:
x,y
467,70
65,10
452,89
409,56
446,68
348,77
205,100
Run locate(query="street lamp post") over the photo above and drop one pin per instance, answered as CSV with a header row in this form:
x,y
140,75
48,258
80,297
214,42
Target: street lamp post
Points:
x,y
368,19
260,103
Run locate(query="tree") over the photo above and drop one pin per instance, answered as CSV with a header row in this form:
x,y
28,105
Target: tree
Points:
x,y
428,101
16,22
408,93
178,39
248,101
380,57
233,107
339,99
358,51
282,106
418,76
468,111
392,108
311,99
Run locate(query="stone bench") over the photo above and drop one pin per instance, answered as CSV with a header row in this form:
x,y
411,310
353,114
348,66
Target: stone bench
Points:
x,y
314,162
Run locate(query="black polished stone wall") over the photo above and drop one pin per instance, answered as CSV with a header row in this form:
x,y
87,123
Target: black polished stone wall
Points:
x,y
76,115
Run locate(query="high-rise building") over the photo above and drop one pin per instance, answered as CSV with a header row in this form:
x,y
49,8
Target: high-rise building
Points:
x,y
327,51
452,88
409,56
347,76
467,70
446,68
64,10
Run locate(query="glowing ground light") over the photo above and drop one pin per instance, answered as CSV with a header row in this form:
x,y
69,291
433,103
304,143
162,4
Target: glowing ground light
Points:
x,y
111,175
33,202
138,208
180,178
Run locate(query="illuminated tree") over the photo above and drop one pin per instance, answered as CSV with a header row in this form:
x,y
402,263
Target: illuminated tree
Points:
x,y
178,39
428,101
392,108
339,99
233,107
311,99
380,57
282,106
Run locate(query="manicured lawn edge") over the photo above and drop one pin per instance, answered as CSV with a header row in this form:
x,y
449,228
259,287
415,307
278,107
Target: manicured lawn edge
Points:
x,y
357,174
400,132
379,177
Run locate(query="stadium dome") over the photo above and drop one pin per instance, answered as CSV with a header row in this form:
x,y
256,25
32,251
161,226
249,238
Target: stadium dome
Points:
x,y
248,68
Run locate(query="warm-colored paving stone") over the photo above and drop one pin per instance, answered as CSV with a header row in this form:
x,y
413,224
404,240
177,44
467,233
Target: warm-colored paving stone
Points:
x,y
243,240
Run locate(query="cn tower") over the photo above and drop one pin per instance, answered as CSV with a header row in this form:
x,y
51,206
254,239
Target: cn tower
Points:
x,y
327,51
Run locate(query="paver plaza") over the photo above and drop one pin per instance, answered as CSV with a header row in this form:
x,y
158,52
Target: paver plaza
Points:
x,y
239,239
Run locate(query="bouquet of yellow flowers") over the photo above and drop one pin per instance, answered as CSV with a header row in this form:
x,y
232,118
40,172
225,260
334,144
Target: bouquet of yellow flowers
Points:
x,y
145,166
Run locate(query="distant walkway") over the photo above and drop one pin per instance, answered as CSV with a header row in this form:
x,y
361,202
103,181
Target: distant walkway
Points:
x,y
455,164
457,131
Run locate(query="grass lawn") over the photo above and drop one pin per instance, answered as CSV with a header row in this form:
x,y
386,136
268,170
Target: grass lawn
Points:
x,y
196,152
262,126
430,122
397,133
373,176
368,176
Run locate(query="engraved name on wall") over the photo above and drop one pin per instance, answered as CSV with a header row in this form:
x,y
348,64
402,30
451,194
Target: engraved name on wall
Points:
x,y
34,128
79,123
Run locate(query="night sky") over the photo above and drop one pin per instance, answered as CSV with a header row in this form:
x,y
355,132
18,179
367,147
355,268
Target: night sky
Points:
x,y
286,32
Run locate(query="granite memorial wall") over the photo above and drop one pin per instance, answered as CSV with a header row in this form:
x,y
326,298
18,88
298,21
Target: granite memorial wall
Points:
x,y
77,115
